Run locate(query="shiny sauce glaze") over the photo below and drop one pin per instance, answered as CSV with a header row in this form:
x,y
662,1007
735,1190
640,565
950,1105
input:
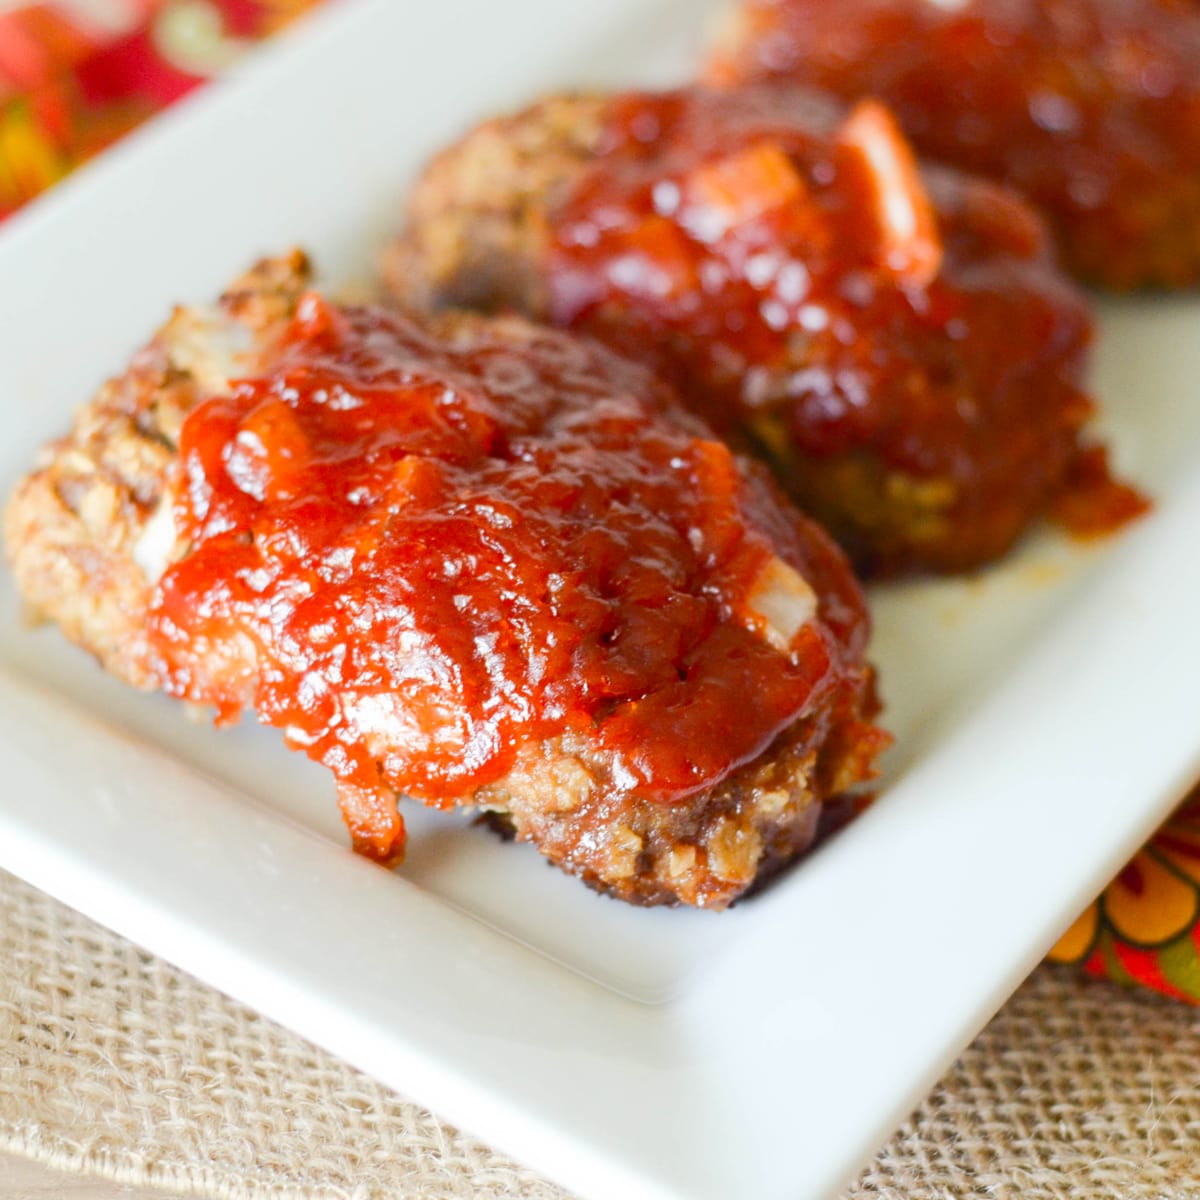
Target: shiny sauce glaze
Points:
x,y
1089,107
778,255
417,557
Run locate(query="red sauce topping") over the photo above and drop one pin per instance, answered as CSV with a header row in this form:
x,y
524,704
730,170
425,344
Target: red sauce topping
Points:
x,y
1093,503
777,256
418,557
1090,107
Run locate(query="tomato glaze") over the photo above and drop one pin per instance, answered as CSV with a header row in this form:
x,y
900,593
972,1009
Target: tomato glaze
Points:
x,y
417,556
775,256
1090,107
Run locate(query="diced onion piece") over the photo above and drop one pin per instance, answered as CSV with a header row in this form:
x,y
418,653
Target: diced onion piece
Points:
x,y
739,188
155,548
655,261
415,478
210,346
780,604
270,451
908,229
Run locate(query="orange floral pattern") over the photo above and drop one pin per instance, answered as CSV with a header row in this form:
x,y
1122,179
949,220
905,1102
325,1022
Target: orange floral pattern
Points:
x,y
1145,928
72,83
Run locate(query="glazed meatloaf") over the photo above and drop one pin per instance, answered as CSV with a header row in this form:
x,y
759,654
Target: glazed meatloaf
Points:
x,y
1090,107
896,340
468,561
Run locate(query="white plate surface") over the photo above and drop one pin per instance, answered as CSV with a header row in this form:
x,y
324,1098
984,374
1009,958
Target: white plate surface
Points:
x,y
1046,710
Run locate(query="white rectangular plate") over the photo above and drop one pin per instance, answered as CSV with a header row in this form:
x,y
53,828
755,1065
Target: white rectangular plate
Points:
x,y
1046,710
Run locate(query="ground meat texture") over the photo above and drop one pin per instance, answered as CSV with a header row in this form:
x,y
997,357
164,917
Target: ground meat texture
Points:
x,y
1090,107
897,341
469,561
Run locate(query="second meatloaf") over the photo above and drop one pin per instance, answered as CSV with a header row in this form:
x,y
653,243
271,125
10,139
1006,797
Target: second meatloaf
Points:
x,y
896,339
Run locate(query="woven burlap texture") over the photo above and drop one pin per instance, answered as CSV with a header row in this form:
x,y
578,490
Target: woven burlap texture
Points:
x,y
115,1063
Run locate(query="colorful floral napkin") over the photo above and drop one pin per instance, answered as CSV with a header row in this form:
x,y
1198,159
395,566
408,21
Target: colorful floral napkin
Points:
x,y
77,74
1145,928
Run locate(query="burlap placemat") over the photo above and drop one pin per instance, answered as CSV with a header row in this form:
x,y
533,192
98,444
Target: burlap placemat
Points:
x,y
115,1063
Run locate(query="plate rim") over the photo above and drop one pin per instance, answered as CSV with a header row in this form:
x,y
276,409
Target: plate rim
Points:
x,y
593,1144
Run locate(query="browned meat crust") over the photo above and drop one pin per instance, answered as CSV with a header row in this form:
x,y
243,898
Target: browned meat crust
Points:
x,y
478,216
86,540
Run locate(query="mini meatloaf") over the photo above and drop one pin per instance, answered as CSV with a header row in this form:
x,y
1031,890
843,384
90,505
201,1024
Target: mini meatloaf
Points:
x,y
469,561
1090,107
897,341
